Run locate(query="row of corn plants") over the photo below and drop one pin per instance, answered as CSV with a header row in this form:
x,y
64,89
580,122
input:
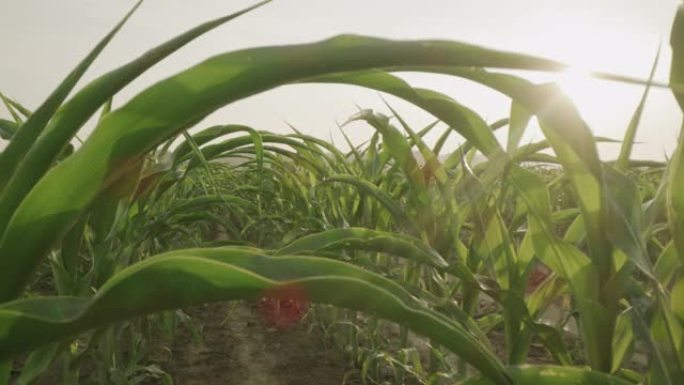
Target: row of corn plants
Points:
x,y
120,223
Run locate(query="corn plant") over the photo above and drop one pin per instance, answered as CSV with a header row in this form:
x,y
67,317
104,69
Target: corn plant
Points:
x,y
372,230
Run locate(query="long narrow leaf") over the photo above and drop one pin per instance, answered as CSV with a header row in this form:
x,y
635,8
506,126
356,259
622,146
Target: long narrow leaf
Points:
x,y
34,126
189,277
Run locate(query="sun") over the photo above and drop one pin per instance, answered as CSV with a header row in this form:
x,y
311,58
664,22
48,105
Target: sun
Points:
x,y
580,87
587,48
601,103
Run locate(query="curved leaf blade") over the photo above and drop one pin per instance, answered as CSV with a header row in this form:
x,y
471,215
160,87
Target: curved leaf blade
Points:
x,y
189,277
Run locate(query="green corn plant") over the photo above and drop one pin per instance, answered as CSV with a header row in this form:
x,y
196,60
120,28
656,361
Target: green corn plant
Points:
x,y
410,218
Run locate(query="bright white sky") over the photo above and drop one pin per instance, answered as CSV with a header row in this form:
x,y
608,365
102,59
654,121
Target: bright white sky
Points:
x,y
43,40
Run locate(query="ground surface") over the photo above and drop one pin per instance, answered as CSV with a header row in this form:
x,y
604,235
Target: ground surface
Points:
x,y
239,348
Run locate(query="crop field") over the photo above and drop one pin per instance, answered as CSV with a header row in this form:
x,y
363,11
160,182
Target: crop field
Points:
x,y
398,261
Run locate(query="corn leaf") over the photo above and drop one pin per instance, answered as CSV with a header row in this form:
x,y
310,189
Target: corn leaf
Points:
x,y
188,277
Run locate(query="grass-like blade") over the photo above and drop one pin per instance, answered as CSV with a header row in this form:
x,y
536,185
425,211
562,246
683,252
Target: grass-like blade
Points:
x,y
73,114
553,375
365,239
460,118
630,134
377,193
675,188
216,132
29,131
189,277
170,106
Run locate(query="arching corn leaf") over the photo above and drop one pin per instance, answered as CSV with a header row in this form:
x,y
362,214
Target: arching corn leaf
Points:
x,y
189,277
365,239
553,375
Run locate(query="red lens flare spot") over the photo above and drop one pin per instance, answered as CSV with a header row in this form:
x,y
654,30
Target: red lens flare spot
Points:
x,y
537,275
283,306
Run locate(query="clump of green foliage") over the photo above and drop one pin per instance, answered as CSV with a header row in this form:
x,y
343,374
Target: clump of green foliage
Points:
x,y
126,225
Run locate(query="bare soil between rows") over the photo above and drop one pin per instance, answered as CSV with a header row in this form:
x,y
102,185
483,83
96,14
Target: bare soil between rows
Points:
x,y
238,347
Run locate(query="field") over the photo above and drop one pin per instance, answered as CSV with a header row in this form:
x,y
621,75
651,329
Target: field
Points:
x,y
157,250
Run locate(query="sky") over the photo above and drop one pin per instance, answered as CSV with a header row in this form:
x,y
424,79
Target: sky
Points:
x,y
42,40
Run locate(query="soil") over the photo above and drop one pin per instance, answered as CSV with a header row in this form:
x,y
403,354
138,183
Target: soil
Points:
x,y
239,347
238,344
